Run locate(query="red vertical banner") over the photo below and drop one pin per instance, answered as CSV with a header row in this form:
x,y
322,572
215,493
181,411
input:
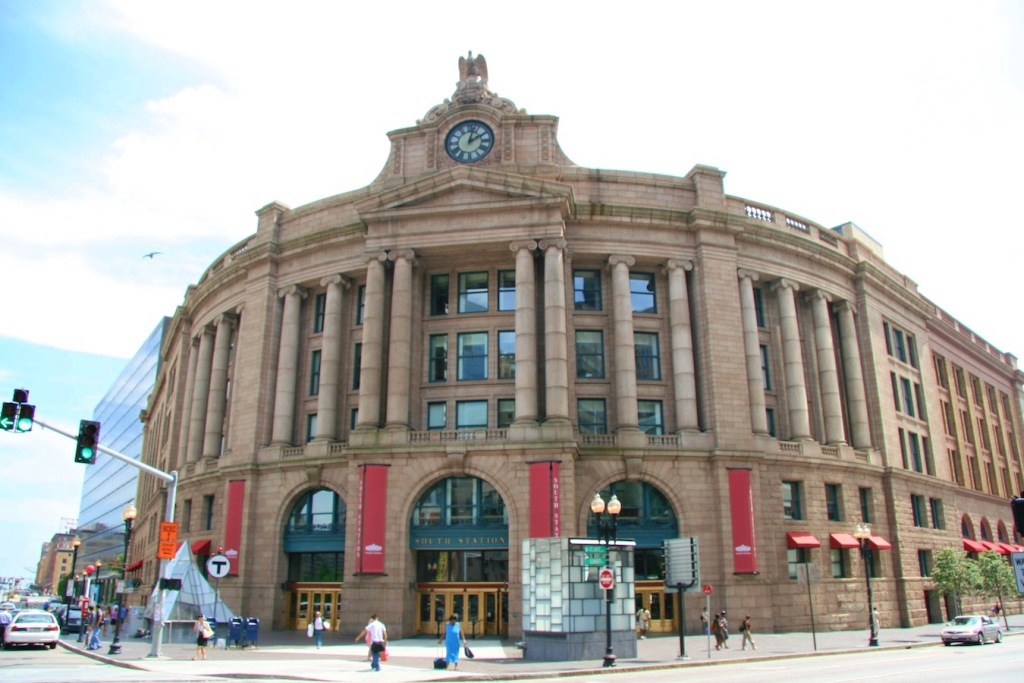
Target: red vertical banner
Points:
x,y
371,519
741,505
545,499
233,524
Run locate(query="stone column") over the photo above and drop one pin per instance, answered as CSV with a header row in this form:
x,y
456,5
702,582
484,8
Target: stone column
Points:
x,y
287,366
214,433
556,349
796,387
200,395
330,360
526,332
855,394
828,376
622,339
400,340
186,404
752,351
684,377
372,361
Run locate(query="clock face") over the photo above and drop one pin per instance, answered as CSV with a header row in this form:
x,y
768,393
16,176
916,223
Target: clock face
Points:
x,y
469,141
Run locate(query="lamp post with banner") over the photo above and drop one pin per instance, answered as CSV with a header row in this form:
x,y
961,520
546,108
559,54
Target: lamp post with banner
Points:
x,y
128,515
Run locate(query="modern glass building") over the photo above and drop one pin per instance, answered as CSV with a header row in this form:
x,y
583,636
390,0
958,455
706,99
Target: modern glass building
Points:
x,y
110,484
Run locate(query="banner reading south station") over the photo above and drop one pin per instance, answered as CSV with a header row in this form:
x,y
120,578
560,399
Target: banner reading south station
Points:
x,y
371,520
545,500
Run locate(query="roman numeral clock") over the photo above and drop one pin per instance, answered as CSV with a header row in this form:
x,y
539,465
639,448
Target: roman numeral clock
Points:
x,y
469,141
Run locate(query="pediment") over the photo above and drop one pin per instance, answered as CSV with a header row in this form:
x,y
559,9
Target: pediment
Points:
x,y
467,189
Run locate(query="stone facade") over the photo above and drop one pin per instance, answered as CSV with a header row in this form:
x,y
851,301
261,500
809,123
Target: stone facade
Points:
x,y
769,343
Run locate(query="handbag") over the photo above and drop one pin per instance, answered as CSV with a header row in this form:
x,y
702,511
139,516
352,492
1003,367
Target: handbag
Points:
x,y
309,631
469,653
207,632
377,646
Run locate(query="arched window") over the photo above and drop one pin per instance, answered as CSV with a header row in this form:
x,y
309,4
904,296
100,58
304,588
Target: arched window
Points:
x,y
461,502
317,512
314,537
1001,531
986,533
646,517
965,527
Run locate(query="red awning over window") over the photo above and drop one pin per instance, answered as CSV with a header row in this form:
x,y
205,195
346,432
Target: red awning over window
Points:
x,y
135,565
1005,549
842,541
879,543
972,546
989,545
201,548
801,539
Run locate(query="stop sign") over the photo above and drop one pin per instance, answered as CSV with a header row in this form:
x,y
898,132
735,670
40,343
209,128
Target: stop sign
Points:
x,y
606,578
707,589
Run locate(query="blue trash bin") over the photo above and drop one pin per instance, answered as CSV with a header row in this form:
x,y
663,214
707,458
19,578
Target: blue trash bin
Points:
x,y
252,631
235,632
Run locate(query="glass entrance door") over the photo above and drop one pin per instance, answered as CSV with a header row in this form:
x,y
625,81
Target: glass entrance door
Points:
x,y
304,602
662,606
481,610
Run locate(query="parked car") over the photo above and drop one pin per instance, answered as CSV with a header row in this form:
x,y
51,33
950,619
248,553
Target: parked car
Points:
x,y
975,628
71,620
32,627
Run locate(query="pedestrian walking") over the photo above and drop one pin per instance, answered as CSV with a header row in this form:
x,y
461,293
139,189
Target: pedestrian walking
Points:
x,y
5,621
705,624
643,620
747,636
723,627
203,632
318,629
105,618
454,640
716,631
378,634
97,618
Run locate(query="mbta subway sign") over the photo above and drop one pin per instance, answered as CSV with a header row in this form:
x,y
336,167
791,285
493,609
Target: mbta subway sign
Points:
x,y
1017,562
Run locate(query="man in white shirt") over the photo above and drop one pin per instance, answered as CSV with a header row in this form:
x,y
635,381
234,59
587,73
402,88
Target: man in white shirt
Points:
x,y
378,640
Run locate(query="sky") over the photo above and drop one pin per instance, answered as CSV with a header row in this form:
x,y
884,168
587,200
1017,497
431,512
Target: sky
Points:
x,y
135,127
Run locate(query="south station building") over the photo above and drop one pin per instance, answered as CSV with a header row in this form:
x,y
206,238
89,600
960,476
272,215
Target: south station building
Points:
x,y
374,399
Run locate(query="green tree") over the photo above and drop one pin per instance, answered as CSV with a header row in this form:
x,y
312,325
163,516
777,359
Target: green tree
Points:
x,y
955,574
997,578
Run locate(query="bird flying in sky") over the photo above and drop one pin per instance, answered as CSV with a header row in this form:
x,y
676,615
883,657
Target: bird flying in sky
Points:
x,y
151,254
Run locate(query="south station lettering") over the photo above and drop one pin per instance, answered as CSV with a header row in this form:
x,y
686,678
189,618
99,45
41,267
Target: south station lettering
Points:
x,y
435,542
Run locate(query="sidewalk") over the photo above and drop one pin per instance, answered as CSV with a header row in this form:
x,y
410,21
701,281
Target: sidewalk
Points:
x,y
291,655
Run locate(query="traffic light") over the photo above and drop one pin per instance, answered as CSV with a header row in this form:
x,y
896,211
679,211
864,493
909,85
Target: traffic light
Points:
x,y
88,440
1017,505
9,416
26,417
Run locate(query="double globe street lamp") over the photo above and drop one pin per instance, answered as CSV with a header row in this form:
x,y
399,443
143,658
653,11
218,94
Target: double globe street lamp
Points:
x,y
863,535
69,594
606,528
128,515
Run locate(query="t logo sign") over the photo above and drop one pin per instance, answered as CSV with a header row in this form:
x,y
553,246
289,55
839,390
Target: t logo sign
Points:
x,y
218,566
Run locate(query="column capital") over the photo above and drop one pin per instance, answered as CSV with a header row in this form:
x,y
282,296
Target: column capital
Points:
x,y
784,283
336,279
293,290
673,264
616,259
815,294
744,274
229,318
553,243
529,245
845,305
381,256
407,254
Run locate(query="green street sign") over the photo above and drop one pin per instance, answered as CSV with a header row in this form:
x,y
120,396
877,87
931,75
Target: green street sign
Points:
x,y
595,561
595,549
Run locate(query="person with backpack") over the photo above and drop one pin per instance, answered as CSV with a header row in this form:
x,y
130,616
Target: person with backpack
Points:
x,y
745,630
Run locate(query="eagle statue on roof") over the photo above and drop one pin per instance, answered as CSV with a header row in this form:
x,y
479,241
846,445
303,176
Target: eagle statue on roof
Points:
x,y
473,67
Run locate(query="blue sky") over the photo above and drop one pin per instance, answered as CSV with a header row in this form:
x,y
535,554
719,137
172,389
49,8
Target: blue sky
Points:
x,y
129,127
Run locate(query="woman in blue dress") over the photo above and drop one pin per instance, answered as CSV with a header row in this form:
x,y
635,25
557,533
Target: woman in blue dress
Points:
x,y
453,640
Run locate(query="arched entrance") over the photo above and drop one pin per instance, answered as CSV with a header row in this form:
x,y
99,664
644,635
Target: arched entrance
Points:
x,y
647,518
459,539
314,540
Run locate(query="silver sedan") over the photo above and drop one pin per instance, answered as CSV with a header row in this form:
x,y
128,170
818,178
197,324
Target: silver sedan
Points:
x,y
975,628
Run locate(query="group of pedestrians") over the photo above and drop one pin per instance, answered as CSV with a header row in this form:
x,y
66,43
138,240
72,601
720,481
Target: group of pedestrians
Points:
x,y
97,620
718,626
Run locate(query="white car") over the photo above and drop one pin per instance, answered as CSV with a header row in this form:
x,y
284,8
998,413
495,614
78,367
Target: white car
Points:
x,y
975,628
32,627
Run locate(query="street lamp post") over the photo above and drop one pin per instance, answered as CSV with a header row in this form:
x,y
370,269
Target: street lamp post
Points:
x,y
129,516
863,536
71,576
606,528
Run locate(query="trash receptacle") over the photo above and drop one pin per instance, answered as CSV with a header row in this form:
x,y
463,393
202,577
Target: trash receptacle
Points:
x,y
252,631
235,632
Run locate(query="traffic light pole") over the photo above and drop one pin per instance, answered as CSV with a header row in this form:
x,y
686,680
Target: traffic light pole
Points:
x,y
172,490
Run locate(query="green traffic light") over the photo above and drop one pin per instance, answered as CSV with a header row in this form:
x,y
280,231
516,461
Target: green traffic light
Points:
x,y
24,424
87,454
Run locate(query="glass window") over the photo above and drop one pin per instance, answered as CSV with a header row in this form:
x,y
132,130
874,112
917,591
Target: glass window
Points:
x,y
641,293
924,561
361,306
472,292
506,412
439,294
651,420
917,509
314,373
770,415
438,371
765,369
938,518
506,290
592,416
648,363
357,365
759,307
507,354
838,557
208,513
472,355
832,502
908,397
319,306
310,427
589,354
437,416
460,501
915,451
587,290
791,500
795,557
318,511
865,505
471,414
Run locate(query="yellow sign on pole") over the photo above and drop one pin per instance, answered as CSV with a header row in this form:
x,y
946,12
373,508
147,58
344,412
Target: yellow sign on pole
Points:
x,y
168,531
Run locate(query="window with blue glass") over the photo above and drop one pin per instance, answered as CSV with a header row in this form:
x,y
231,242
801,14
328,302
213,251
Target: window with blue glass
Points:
x,y
646,516
319,307
648,360
438,371
460,502
506,290
361,306
766,373
471,414
472,362
507,354
589,354
314,373
473,292
586,286
439,294
592,416
310,427
641,293
316,525
506,412
651,419
437,415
